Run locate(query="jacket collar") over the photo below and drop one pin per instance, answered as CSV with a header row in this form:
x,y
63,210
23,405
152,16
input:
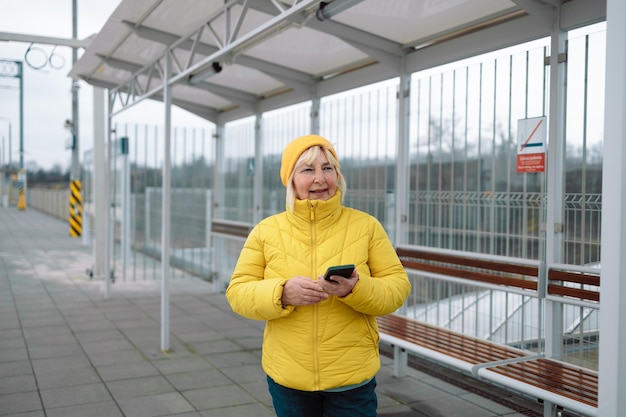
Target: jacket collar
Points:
x,y
315,210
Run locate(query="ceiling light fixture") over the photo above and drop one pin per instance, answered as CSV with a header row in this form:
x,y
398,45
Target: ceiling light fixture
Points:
x,y
326,9
212,69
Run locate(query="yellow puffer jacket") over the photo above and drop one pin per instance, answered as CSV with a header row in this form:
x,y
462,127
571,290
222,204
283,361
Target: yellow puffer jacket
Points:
x,y
334,343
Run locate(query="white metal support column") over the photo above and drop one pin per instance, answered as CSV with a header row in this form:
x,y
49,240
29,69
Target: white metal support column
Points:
x,y
165,210
257,187
555,173
315,115
100,191
402,156
218,177
218,199
612,401
124,146
555,188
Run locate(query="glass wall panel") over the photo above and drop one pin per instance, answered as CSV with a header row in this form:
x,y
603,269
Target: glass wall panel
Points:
x,y
238,172
362,125
192,159
279,128
585,133
465,191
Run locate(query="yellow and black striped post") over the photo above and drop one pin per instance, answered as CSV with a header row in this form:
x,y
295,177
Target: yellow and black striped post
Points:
x,y
21,201
76,209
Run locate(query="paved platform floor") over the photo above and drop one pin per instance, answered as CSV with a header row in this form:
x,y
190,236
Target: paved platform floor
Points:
x,y
66,350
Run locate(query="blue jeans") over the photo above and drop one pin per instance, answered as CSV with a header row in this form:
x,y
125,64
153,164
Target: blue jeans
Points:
x,y
358,402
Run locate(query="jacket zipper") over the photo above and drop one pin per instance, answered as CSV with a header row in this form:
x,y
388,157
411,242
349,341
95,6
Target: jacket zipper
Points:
x,y
315,307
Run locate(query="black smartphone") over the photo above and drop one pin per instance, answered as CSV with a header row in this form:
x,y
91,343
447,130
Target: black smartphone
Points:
x,y
341,270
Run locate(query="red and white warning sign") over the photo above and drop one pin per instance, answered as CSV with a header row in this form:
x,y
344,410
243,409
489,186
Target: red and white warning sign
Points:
x,y
531,145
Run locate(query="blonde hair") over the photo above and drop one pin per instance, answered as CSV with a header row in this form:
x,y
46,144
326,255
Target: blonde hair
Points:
x,y
308,157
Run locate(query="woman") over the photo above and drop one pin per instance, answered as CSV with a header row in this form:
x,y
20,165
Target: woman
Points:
x,y
320,345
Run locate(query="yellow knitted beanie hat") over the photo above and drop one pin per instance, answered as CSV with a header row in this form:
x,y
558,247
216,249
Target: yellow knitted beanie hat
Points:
x,y
295,148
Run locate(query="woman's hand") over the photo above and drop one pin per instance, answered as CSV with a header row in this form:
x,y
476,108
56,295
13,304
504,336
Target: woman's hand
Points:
x,y
302,291
342,286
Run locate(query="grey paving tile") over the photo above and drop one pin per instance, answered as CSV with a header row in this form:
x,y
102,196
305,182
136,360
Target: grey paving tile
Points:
x,y
67,377
175,364
116,357
11,338
218,397
451,406
259,390
198,379
75,361
98,335
408,390
214,346
37,332
72,349
44,320
39,413
225,360
13,354
80,394
487,404
140,387
196,336
15,368
20,402
21,383
155,405
111,345
126,371
253,410
106,409
246,373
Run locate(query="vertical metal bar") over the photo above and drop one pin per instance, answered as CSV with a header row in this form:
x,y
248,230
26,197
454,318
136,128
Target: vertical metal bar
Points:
x,y
509,170
403,168
583,193
75,119
555,187
315,115
611,399
146,208
165,204
465,162
134,207
110,223
257,185
101,128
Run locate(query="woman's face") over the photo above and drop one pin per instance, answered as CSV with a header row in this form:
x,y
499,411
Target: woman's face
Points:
x,y
317,181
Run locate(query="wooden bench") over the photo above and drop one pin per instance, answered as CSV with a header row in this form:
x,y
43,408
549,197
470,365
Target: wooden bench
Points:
x,y
546,379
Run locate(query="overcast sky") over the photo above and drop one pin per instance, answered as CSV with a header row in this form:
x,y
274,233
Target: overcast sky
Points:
x,y
47,91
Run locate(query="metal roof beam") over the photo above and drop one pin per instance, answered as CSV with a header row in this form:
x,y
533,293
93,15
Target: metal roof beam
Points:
x,y
288,76
46,40
383,50
240,98
234,45
539,9
237,97
120,63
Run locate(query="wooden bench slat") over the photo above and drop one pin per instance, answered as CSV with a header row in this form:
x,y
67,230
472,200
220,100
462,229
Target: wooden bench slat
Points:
x,y
459,346
555,377
558,378
545,378
473,275
468,262
572,276
574,292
